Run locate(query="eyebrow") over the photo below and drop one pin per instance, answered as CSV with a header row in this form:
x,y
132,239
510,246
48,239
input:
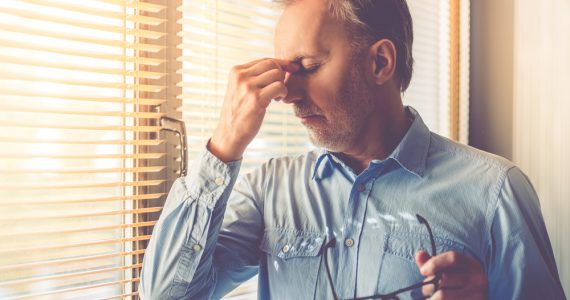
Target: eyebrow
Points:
x,y
298,59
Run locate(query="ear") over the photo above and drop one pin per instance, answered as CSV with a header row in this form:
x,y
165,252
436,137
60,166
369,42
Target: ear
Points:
x,y
383,61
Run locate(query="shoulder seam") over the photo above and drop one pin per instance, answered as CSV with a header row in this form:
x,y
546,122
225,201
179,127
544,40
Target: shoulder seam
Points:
x,y
493,206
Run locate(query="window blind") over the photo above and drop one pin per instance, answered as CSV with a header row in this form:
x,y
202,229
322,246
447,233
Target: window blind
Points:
x,y
439,89
220,34
80,83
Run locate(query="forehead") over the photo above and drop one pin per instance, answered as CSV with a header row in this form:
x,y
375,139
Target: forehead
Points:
x,y
306,28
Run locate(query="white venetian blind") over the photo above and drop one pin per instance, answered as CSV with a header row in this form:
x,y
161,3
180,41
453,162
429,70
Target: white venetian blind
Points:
x,y
216,36
77,96
429,91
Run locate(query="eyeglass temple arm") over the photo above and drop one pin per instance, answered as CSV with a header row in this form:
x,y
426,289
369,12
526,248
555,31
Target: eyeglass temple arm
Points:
x,y
423,221
328,245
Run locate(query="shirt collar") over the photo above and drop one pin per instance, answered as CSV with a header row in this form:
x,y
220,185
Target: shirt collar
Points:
x,y
410,154
412,151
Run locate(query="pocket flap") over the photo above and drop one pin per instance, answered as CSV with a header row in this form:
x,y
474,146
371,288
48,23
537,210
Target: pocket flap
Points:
x,y
290,244
406,245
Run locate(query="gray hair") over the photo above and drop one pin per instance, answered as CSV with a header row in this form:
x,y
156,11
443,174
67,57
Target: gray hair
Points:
x,y
373,20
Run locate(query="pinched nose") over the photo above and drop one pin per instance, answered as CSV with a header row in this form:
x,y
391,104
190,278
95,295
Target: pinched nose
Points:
x,y
291,99
295,89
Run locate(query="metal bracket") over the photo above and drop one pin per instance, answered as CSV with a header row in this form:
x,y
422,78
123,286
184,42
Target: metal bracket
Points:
x,y
179,128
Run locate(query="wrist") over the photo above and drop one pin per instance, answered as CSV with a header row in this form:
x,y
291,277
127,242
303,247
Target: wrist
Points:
x,y
222,147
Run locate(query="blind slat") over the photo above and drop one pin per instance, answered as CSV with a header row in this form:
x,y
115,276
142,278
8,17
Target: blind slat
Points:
x,y
50,48
76,245
144,6
86,171
46,17
98,214
82,142
138,115
87,287
70,127
80,38
81,98
66,276
85,82
93,156
79,201
82,186
77,230
91,69
69,260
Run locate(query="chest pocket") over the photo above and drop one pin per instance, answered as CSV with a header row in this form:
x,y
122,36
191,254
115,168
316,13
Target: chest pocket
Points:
x,y
292,262
398,267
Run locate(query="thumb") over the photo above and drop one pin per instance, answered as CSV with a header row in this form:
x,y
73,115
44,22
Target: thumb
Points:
x,y
421,258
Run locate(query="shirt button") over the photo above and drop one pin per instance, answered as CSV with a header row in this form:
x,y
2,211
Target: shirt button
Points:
x,y
361,188
219,181
197,248
349,242
285,249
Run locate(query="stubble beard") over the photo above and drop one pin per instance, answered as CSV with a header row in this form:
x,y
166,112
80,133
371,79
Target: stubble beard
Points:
x,y
346,118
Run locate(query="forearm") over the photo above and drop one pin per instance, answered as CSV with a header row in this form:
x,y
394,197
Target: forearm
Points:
x,y
177,261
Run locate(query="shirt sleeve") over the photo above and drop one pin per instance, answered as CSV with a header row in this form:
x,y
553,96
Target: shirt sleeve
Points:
x,y
521,263
187,256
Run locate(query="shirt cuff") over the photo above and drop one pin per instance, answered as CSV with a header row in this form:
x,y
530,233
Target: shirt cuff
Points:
x,y
209,177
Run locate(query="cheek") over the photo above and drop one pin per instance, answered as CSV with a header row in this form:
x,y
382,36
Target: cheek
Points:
x,y
325,86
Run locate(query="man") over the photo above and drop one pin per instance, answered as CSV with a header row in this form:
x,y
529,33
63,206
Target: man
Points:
x,y
341,222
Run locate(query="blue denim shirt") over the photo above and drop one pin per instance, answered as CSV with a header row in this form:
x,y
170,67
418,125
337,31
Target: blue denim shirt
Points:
x,y
213,234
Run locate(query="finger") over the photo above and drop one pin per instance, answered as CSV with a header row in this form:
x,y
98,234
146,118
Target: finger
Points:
x,y
428,289
454,280
421,258
276,90
448,294
269,77
252,63
287,66
445,261
268,64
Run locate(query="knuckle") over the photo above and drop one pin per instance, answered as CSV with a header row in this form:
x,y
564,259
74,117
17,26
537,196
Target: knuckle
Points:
x,y
454,257
249,88
281,75
253,95
234,70
237,74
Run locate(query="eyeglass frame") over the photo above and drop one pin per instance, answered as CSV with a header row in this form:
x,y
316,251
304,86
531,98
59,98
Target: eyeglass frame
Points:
x,y
393,295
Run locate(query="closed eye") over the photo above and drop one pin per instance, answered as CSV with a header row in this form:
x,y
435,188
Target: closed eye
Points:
x,y
309,69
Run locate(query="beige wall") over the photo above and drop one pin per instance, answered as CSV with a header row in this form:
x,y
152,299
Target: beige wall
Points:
x,y
491,91
541,114
520,104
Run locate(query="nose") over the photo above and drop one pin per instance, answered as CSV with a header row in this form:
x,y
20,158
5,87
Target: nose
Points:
x,y
295,88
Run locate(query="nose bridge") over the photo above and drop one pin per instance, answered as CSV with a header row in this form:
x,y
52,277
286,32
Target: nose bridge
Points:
x,y
295,88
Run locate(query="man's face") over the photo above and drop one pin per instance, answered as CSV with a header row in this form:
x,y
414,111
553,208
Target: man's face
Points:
x,y
329,93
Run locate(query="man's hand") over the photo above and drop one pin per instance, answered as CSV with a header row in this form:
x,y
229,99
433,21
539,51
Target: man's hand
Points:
x,y
462,277
251,88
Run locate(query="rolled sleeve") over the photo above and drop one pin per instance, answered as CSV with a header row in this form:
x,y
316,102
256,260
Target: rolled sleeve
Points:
x,y
187,231
209,178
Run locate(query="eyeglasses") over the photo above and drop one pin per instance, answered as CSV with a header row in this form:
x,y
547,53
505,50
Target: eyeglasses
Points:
x,y
393,295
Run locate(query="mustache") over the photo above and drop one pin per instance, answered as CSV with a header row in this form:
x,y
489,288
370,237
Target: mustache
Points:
x,y
304,108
